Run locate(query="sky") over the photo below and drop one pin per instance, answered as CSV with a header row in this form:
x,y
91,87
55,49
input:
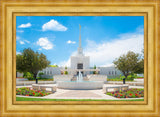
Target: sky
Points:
x,y
104,38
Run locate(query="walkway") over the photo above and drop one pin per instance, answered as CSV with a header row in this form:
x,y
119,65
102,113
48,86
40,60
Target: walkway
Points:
x,y
79,94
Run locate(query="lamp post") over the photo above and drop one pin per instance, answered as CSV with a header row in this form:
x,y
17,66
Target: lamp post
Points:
x,y
123,80
36,80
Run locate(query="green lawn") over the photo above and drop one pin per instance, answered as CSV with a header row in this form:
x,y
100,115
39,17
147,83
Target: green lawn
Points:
x,y
39,99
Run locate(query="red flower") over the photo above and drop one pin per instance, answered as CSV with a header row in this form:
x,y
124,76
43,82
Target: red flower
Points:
x,y
33,93
136,94
121,95
130,94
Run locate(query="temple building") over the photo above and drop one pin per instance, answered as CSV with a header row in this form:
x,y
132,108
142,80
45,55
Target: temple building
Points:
x,y
80,61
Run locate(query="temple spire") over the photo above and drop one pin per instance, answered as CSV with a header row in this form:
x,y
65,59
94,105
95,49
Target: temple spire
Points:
x,y
80,50
79,36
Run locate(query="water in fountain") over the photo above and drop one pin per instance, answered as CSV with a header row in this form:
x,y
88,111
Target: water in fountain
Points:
x,y
79,77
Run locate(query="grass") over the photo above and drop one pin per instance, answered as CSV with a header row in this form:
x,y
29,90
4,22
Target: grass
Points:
x,y
39,99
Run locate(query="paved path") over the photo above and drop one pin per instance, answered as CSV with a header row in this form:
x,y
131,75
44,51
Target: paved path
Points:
x,y
79,94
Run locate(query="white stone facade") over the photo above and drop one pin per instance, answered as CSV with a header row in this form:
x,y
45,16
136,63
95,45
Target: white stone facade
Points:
x,y
84,60
110,71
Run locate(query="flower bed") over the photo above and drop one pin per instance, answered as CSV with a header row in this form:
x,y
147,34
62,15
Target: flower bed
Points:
x,y
30,92
130,93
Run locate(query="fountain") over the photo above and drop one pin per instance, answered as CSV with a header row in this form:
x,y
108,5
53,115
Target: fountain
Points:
x,y
80,84
79,77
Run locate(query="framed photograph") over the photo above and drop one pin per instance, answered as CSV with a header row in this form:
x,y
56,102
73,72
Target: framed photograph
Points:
x,y
86,58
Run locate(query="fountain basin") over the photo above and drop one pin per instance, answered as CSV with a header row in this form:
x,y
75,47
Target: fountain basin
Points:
x,y
85,85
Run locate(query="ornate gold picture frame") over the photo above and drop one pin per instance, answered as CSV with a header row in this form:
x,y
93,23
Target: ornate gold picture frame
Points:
x,y
151,12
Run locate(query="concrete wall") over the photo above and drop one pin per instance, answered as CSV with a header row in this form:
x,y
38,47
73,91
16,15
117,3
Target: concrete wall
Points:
x,y
24,83
63,77
139,80
97,77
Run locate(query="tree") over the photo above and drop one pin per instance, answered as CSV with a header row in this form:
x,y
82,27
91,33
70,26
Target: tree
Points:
x,y
127,63
30,61
140,66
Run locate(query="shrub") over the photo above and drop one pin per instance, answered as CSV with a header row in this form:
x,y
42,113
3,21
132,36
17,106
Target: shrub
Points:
x,y
27,75
40,74
31,78
65,72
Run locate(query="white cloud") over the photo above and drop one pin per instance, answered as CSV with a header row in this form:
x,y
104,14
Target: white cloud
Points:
x,y
17,38
20,31
104,53
18,53
21,42
40,49
45,43
140,29
25,25
53,25
27,41
70,42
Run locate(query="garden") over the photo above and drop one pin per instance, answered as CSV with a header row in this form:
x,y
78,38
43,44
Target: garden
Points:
x,y
120,78
30,92
130,93
29,76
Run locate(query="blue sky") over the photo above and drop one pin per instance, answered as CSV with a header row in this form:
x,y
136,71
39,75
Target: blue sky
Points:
x,y
104,38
